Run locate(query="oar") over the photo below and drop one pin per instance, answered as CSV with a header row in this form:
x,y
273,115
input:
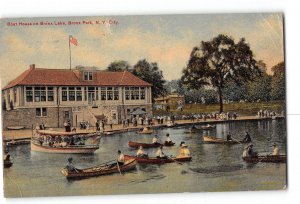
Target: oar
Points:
x,y
236,140
174,160
119,168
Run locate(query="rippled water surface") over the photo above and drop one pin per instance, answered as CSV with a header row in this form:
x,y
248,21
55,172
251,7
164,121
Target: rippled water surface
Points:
x,y
213,167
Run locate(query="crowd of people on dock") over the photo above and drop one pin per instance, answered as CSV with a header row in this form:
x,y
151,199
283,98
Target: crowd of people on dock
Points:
x,y
268,113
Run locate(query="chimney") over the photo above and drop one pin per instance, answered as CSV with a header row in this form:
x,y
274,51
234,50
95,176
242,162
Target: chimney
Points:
x,y
32,66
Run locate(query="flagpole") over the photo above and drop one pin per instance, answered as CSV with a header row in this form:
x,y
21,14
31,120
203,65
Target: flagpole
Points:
x,y
70,53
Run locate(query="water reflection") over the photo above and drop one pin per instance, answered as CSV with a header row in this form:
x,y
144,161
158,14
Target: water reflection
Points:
x,y
211,164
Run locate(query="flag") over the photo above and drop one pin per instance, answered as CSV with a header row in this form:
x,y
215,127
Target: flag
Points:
x,y
73,40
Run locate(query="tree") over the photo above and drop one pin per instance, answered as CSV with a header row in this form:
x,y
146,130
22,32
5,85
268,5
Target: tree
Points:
x,y
260,88
278,82
118,66
216,62
150,73
235,92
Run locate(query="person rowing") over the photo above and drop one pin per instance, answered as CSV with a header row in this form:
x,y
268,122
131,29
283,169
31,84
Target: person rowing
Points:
x,y
228,137
249,152
155,139
160,154
70,166
275,149
247,137
121,159
184,151
168,140
141,153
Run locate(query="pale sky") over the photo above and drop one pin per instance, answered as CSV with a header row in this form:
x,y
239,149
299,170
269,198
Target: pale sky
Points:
x,y
165,39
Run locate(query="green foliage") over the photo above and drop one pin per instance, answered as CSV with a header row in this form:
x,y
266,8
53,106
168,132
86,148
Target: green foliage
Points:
x,y
218,62
118,66
234,92
260,89
150,73
241,108
278,82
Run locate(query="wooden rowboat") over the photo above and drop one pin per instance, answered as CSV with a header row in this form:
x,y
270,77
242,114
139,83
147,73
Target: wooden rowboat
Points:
x,y
169,144
144,145
100,170
146,130
210,127
155,160
15,127
214,140
267,158
7,163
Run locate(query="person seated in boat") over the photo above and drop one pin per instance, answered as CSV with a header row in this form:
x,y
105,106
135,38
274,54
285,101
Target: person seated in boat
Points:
x,y
184,151
168,140
275,150
247,137
193,127
141,153
155,140
121,158
160,154
228,137
249,152
70,167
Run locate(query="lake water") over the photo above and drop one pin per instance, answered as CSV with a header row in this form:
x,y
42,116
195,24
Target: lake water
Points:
x,y
213,167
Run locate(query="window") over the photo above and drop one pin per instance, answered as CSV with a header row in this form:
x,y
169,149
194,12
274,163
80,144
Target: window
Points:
x,y
142,93
78,94
15,94
43,93
67,114
29,94
88,76
64,94
50,94
71,93
103,93
97,93
85,93
41,112
37,94
116,93
109,93
132,93
136,93
127,93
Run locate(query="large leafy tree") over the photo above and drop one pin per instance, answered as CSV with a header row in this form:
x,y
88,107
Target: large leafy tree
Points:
x,y
219,61
260,88
151,73
118,66
278,82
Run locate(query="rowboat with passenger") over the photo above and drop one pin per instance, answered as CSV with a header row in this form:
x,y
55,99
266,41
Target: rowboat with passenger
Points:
x,y
155,160
100,170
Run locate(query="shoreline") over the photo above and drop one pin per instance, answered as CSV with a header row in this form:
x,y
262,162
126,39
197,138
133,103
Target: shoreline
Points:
x,y
19,135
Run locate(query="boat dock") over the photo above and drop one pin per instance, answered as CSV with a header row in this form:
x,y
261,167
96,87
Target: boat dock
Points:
x,y
23,136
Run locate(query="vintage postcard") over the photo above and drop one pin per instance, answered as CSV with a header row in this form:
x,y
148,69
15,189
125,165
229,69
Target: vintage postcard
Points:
x,y
143,104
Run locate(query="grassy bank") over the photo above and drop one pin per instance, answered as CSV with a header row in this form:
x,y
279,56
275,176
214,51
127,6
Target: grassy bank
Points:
x,y
240,108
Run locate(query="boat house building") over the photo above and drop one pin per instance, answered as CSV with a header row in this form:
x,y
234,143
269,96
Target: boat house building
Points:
x,y
53,96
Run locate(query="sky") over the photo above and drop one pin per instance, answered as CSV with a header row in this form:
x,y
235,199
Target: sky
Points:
x,y
165,39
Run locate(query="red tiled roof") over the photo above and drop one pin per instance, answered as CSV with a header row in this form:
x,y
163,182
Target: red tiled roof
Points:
x,y
65,77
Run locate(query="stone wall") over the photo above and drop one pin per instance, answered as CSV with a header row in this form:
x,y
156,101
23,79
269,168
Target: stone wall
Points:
x,y
26,117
